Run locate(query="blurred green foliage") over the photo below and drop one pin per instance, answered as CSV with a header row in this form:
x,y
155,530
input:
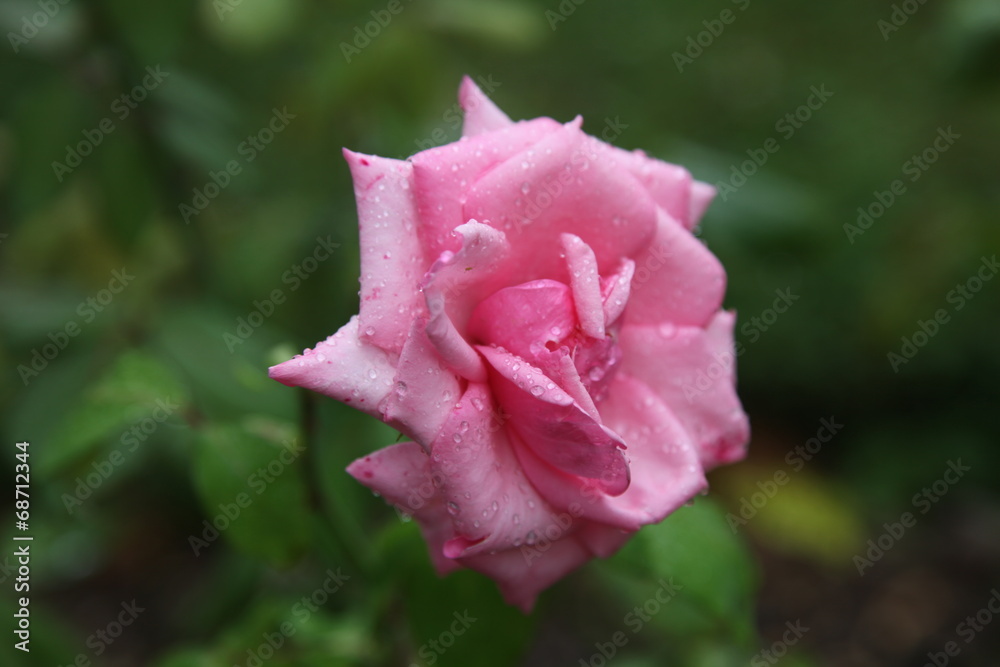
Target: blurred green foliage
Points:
x,y
187,88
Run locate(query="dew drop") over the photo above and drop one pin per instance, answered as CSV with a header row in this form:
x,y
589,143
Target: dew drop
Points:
x,y
516,519
453,508
537,390
369,331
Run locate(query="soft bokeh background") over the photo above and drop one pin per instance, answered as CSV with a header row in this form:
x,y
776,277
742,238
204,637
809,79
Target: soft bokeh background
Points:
x,y
126,534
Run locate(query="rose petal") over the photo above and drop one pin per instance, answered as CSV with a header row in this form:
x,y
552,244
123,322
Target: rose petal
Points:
x,y
691,369
343,367
525,317
521,574
401,474
668,184
442,176
481,114
586,284
677,279
424,390
664,461
615,291
563,184
465,278
491,504
392,261
702,195
553,425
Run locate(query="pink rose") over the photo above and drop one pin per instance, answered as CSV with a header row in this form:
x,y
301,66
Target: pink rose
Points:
x,y
538,319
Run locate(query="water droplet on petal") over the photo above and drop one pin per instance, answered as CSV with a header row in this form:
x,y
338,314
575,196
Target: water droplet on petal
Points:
x,y
537,391
453,509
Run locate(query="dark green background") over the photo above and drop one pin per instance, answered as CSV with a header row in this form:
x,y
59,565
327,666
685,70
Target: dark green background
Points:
x,y
230,65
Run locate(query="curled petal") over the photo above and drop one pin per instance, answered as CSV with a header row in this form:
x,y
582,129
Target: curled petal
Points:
x,y
550,422
666,471
391,258
615,291
343,367
586,284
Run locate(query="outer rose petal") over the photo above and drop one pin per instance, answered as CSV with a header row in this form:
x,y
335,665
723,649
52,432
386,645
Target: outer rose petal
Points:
x,y
401,474
491,505
442,176
664,461
677,279
392,261
691,369
424,390
342,367
702,195
563,184
481,115
668,184
554,427
520,580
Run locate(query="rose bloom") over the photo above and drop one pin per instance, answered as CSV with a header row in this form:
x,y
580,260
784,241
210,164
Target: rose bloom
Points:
x,y
538,319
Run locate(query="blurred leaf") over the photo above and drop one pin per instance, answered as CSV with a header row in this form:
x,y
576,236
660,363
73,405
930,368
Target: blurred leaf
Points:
x,y
694,549
130,390
511,24
453,620
252,489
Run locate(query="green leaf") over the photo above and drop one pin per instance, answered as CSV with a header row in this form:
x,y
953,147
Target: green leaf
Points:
x,y
252,489
712,569
135,387
454,620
